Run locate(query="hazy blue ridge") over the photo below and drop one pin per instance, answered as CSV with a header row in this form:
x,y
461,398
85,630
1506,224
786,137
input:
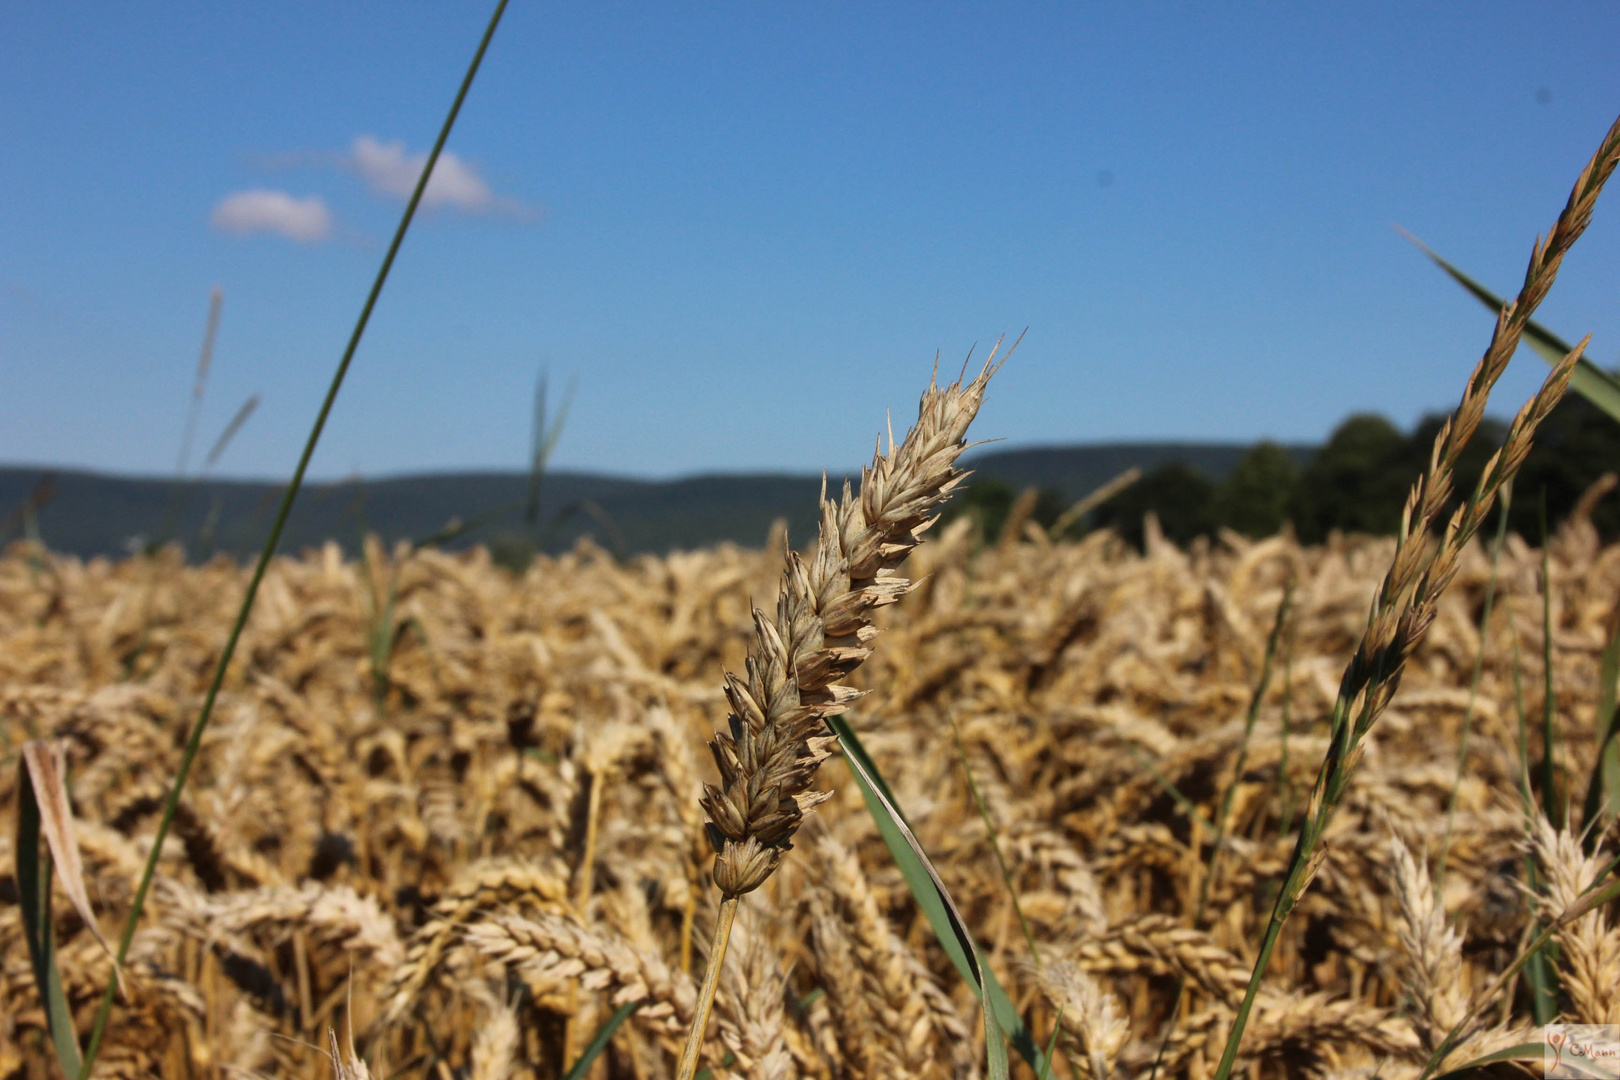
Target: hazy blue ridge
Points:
x,y
90,514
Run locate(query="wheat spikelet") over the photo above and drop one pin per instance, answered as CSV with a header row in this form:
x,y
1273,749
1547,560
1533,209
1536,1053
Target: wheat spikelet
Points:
x,y
1095,1027
1159,945
495,1047
549,950
482,886
840,976
1433,950
898,1013
823,631
1589,955
753,1022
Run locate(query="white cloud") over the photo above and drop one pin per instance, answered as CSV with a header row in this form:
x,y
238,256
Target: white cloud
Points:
x,y
389,170
261,210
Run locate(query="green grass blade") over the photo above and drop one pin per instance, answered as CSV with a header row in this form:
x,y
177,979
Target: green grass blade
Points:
x,y
1590,381
1591,899
931,895
1537,968
221,444
1218,838
456,527
996,1066
194,741
600,1040
995,842
1527,1053
34,898
1285,811
1603,788
1045,1071
543,436
1170,788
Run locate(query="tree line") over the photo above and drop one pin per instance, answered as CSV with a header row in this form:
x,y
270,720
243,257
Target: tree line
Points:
x,y
1357,482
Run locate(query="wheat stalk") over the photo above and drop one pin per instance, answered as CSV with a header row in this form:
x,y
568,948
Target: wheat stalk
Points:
x,y
776,735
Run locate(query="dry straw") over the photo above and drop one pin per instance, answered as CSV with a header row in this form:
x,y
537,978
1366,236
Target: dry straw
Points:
x,y
1066,664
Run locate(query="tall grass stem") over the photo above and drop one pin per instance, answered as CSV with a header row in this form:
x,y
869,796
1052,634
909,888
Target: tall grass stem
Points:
x,y
171,804
1225,812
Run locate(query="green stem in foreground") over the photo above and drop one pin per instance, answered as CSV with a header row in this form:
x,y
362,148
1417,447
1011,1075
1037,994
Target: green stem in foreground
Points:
x,y
1225,812
995,843
711,980
1285,811
171,804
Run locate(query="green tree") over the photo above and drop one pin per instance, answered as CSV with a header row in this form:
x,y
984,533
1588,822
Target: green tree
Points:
x,y
1179,495
989,501
1256,496
1575,446
1357,482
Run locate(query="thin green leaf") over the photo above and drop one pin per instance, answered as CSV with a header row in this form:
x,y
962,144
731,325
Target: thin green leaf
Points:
x,y
707,1073
1170,789
543,436
1590,381
1538,969
1218,838
1591,899
457,527
996,1065
34,898
1603,789
216,451
995,842
1527,1053
194,741
1285,811
47,772
600,1040
854,747
1045,1071
930,893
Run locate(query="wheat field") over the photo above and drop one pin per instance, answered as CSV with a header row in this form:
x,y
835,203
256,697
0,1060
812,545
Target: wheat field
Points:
x,y
469,834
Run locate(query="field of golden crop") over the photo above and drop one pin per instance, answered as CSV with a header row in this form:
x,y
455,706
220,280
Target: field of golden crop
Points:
x,y
465,826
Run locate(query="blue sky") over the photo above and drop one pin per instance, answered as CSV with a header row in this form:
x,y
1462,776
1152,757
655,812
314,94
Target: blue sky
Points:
x,y
746,230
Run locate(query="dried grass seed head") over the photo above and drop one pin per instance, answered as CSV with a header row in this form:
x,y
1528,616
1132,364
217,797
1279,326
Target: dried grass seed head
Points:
x,y
775,733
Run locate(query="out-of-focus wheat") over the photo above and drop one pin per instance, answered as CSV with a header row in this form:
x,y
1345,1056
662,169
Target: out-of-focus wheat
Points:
x,y
1069,666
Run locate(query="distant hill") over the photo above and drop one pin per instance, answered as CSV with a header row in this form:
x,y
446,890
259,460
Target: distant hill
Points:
x,y
89,514
1076,471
